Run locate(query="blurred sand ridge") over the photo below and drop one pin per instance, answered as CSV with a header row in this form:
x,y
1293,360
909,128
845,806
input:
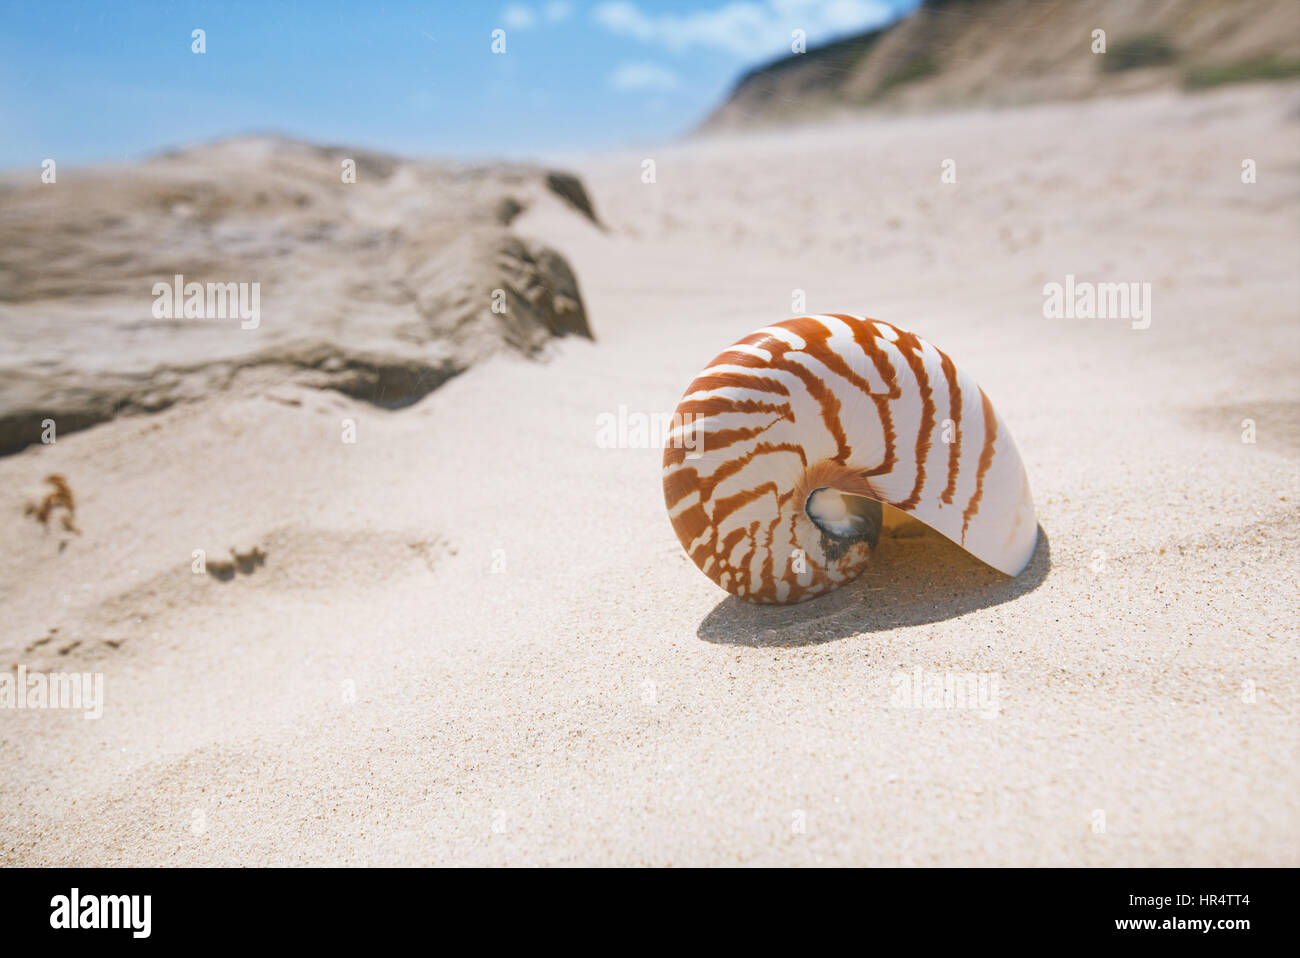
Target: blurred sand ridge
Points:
x,y
378,277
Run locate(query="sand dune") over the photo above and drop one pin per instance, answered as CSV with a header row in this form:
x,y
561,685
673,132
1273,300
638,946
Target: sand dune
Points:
x,y
950,53
474,638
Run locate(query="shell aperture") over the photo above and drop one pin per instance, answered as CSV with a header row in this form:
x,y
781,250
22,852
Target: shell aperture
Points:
x,y
802,430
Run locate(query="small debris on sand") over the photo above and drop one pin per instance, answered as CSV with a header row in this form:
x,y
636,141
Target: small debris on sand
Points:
x,y
59,498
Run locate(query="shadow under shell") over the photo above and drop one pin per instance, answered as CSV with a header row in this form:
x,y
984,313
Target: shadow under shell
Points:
x,y
913,579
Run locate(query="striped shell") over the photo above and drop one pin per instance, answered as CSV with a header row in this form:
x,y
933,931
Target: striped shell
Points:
x,y
783,424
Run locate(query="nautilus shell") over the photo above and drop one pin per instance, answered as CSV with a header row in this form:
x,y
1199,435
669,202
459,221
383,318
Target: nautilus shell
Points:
x,y
797,445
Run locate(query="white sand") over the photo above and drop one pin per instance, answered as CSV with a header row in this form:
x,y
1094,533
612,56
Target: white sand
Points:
x,y
598,700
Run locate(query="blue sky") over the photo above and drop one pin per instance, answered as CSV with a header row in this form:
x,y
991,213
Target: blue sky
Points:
x,y
108,81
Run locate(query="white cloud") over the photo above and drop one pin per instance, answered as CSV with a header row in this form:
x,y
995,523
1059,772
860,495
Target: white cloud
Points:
x,y
518,17
558,10
643,76
746,28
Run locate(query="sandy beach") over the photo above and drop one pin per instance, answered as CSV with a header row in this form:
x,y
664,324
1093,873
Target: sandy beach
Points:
x,y
475,640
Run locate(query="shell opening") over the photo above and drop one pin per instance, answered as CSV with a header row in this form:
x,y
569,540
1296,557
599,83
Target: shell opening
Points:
x,y
844,518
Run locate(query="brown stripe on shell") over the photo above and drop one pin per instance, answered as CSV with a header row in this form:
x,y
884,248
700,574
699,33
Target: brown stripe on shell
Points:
x,y
752,381
676,454
986,460
816,386
865,335
954,413
728,504
714,405
683,482
679,485
910,347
